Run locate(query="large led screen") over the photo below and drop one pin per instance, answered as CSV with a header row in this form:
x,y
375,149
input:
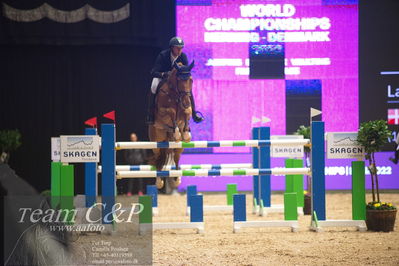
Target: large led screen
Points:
x,y
267,62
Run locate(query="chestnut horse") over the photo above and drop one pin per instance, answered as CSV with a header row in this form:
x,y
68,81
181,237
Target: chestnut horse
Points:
x,y
172,115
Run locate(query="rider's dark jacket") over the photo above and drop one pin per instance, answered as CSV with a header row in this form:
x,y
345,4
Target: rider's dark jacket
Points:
x,y
163,63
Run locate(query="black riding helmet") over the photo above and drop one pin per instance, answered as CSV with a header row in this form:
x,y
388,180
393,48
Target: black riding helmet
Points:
x,y
176,41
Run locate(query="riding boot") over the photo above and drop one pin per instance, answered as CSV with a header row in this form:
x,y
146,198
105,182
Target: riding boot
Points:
x,y
196,117
150,111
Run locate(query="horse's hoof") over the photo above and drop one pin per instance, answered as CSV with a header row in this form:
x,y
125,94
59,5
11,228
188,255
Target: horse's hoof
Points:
x,y
159,183
177,138
186,136
177,135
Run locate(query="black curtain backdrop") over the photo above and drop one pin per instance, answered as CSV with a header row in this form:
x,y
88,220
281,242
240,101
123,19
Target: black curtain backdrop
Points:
x,y
47,91
378,51
50,88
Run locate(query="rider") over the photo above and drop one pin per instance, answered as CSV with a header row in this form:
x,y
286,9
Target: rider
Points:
x,y
164,64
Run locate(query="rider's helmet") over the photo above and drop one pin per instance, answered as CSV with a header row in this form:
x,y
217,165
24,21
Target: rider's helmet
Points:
x,y
176,41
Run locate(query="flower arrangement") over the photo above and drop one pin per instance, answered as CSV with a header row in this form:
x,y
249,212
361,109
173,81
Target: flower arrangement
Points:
x,y
10,140
305,132
380,206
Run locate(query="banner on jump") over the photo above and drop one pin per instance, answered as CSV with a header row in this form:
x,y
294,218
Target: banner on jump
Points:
x,y
287,151
80,149
55,149
343,145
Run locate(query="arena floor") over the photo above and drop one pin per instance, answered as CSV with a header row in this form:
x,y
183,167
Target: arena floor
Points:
x,y
263,246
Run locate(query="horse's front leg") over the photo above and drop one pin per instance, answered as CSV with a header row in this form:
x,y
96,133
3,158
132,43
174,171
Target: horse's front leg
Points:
x,y
186,134
176,133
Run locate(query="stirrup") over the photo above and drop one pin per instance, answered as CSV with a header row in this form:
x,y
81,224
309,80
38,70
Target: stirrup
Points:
x,y
196,118
149,120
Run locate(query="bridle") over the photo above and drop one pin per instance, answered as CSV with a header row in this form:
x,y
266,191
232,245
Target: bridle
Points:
x,y
182,94
179,94
175,94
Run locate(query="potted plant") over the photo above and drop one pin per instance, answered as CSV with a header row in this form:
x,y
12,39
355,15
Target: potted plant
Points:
x,y
305,132
372,135
10,140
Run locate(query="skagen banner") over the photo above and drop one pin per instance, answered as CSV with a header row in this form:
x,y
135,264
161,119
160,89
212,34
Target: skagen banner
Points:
x,y
75,21
80,149
343,145
288,151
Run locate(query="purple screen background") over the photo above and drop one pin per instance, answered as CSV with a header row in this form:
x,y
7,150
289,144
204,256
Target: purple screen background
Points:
x,y
230,101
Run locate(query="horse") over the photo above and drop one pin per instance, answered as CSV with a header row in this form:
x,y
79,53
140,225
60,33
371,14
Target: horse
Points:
x,y
172,114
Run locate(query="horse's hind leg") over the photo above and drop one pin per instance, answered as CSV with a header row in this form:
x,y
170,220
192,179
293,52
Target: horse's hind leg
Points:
x,y
176,157
158,182
157,135
176,181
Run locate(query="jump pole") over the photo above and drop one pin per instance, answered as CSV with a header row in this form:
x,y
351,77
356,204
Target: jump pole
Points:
x,y
108,182
182,167
205,172
255,179
62,187
208,144
294,183
55,184
264,180
152,191
90,171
